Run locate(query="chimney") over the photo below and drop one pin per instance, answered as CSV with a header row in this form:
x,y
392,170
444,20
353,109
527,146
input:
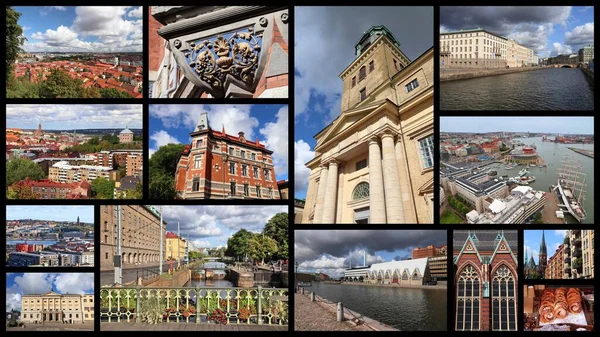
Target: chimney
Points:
x,y
241,137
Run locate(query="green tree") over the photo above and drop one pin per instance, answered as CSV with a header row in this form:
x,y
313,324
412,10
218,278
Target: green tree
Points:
x,y
20,191
277,229
94,141
60,85
23,88
237,244
113,93
103,188
162,172
14,41
113,139
261,246
19,169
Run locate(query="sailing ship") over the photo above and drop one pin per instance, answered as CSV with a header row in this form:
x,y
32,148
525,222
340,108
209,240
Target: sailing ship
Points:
x,y
571,188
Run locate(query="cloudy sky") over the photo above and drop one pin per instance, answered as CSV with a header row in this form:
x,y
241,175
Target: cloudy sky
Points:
x,y
82,29
554,238
172,124
330,251
72,116
55,213
563,125
211,226
324,45
548,30
18,284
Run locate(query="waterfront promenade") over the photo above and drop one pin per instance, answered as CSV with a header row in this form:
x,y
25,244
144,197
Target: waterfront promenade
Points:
x,y
122,326
318,316
440,285
583,152
462,74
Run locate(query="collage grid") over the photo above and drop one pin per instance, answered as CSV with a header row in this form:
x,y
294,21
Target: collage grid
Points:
x,y
218,177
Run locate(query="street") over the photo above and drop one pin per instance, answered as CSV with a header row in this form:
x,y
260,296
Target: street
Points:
x,y
107,277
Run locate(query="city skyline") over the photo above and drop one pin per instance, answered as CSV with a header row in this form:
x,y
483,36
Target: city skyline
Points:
x,y
212,226
533,238
266,122
330,251
94,29
18,284
562,125
548,30
321,57
69,117
51,213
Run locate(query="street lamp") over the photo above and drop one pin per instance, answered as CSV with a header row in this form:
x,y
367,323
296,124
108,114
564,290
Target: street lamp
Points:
x,y
296,276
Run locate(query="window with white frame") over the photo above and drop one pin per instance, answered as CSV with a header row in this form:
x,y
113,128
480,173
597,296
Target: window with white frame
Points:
x,y
255,171
198,162
244,170
504,308
231,168
412,85
426,149
267,175
468,300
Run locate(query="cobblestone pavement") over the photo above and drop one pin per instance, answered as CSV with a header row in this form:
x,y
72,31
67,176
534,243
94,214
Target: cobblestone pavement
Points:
x,y
311,316
54,327
189,327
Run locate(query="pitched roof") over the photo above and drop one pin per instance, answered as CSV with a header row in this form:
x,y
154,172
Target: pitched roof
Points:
x,y
484,240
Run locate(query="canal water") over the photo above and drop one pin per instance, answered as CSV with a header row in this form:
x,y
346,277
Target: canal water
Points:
x,y
407,309
211,283
554,154
544,89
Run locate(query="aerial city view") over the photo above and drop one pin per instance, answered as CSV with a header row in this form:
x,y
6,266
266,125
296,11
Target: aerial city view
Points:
x,y
517,58
74,151
50,302
228,266
364,123
559,254
49,236
74,52
361,280
498,170
218,152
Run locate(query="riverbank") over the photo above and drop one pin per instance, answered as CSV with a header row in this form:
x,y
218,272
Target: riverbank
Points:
x,y
589,74
586,153
321,315
463,74
440,285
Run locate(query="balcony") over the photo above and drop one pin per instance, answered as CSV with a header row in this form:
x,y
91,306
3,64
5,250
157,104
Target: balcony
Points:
x,y
577,253
568,260
577,264
575,231
577,242
566,241
189,305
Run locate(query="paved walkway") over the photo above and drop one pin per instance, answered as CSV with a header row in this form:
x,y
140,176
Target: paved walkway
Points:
x,y
311,316
189,327
54,327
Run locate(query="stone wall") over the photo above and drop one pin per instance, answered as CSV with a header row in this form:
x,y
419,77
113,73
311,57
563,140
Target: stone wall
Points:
x,y
473,73
179,279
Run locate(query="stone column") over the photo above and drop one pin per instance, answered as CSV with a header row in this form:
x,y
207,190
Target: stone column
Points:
x,y
393,198
329,202
376,195
404,178
320,195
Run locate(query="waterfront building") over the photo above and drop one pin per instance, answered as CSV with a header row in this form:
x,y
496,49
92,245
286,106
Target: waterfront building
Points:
x,y
479,48
356,274
478,190
586,54
438,267
63,172
486,280
40,258
374,162
140,234
175,247
52,307
126,136
522,203
405,272
217,165
555,268
251,60
523,155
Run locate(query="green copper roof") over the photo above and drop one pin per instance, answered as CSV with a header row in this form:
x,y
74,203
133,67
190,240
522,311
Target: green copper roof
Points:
x,y
371,35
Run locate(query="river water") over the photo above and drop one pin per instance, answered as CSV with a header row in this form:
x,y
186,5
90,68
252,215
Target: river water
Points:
x,y
406,309
544,89
553,154
211,283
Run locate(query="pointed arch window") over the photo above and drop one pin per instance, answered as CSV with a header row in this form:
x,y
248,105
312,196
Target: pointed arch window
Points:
x,y
468,300
361,191
504,300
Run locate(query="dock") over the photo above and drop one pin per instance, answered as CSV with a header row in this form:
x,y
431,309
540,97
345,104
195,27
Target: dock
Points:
x,y
550,208
586,153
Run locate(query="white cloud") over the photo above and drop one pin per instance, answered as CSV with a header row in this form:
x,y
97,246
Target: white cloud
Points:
x,y
560,48
335,266
531,252
13,299
30,283
74,283
47,9
560,232
580,35
302,154
136,13
161,138
444,29
277,136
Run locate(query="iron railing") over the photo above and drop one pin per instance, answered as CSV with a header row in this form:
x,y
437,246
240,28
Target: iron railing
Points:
x,y
195,305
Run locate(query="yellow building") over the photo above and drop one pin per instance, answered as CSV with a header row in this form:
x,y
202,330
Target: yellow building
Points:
x,y
175,247
374,162
57,308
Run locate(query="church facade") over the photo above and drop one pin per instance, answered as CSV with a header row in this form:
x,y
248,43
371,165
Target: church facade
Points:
x,y
531,270
374,162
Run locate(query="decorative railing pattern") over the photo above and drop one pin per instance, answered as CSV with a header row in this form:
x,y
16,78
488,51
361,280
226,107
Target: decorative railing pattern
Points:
x,y
195,305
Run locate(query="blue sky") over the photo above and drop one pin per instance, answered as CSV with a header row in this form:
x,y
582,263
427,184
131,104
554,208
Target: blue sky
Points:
x,y
211,226
171,123
82,29
56,213
324,43
554,238
548,30
18,284
563,125
330,251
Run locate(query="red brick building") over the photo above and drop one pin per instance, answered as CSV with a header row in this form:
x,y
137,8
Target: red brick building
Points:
x,y
429,251
486,280
221,166
45,189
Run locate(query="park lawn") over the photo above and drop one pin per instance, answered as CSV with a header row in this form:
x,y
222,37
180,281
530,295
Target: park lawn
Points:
x,y
449,218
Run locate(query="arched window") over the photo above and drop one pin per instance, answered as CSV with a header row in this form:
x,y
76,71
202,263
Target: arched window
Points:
x,y
504,308
405,275
361,191
416,276
468,300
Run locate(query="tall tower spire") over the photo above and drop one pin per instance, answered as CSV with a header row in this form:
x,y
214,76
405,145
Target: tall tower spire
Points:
x,y
543,254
